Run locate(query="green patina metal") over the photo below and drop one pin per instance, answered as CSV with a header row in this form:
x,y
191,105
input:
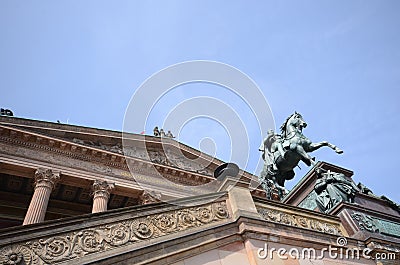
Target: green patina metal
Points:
x,y
283,152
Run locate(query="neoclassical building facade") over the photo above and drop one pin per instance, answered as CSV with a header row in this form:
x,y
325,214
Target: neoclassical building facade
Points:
x,y
77,195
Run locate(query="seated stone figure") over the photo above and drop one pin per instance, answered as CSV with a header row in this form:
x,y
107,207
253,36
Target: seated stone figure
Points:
x,y
333,188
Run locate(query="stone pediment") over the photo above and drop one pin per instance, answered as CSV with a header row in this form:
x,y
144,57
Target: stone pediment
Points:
x,y
177,162
170,152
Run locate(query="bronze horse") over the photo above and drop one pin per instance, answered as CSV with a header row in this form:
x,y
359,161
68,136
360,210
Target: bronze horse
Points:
x,y
283,152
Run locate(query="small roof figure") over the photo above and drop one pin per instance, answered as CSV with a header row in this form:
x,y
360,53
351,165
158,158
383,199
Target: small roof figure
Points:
x,y
170,135
162,133
156,131
6,112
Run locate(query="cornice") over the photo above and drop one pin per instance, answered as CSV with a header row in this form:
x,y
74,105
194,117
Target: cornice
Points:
x,y
18,137
18,134
29,124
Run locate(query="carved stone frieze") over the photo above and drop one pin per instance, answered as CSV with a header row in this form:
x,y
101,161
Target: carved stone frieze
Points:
x,y
98,163
171,159
136,152
386,247
291,218
17,255
117,148
82,242
145,173
55,150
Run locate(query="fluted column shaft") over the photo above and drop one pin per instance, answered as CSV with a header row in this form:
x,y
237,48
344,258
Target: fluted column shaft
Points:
x,y
101,194
45,179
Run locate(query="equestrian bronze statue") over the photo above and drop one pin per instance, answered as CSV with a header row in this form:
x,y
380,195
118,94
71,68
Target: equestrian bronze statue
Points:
x,y
282,152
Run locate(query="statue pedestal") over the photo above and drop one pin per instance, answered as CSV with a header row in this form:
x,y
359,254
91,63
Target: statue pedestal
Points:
x,y
366,217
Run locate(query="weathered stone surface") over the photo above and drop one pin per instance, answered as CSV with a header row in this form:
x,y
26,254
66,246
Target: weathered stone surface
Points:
x,y
79,243
202,227
301,219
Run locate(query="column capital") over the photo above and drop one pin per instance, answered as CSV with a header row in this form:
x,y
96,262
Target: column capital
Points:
x,y
102,188
46,177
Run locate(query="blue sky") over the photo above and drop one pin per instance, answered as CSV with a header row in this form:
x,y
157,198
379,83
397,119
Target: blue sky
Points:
x,y
336,62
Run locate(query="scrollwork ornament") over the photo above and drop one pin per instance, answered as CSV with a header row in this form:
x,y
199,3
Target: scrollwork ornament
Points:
x,y
271,215
16,255
68,246
90,241
302,222
142,230
55,248
285,219
204,214
221,211
13,258
165,222
291,219
330,229
186,219
118,234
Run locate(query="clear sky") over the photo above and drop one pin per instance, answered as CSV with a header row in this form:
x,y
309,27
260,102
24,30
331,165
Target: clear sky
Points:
x,y
336,62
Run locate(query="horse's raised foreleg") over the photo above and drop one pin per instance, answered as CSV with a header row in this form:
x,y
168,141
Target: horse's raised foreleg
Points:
x,y
334,147
305,157
314,146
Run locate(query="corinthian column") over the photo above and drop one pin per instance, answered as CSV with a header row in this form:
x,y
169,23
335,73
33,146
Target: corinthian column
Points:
x,y
101,194
45,179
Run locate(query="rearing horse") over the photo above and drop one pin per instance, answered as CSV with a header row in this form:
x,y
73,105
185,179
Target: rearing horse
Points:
x,y
282,153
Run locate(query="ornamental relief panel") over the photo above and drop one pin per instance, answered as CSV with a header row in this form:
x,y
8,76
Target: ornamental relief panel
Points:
x,y
154,156
80,243
298,220
57,159
376,225
171,159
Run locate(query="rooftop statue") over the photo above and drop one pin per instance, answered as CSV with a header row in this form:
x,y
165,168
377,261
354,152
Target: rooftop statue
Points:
x,y
169,134
156,131
283,152
161,133
332,188
6,112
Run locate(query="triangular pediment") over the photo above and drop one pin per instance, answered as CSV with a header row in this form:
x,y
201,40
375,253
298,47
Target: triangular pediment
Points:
x,y
178,162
